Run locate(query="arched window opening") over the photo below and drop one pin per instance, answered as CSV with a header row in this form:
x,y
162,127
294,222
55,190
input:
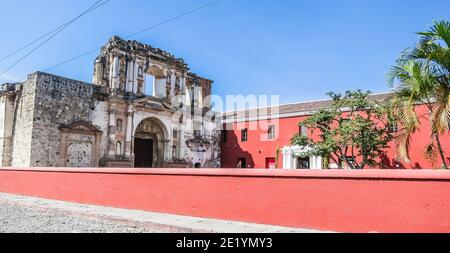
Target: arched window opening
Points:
x,y
118,148
155,82
119,125
174,152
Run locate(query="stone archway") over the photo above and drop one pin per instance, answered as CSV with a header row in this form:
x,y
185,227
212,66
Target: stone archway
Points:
x,y
149,144
156,72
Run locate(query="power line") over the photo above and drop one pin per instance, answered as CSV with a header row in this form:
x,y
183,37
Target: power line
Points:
x,y
91,8
174,18
43,36
94,6
139,32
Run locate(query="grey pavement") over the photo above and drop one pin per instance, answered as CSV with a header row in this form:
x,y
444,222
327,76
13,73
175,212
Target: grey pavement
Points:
x,y
22,214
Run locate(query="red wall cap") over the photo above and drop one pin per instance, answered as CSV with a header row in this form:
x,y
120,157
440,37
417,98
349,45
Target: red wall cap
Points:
x,y
440,175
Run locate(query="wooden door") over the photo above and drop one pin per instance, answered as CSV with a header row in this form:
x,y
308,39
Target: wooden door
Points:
x,y
143,153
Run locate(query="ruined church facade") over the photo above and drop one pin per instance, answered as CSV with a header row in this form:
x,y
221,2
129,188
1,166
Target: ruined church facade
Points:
x,y
144,109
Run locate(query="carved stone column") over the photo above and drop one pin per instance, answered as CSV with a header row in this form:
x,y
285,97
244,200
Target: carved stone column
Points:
x,y
167,151
115,72
182,139
183,83
173,78
130,76
98,72
110,71
129,133
135,77
112,134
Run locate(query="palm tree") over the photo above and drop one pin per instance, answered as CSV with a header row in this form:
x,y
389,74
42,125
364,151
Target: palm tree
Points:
x,y
424,78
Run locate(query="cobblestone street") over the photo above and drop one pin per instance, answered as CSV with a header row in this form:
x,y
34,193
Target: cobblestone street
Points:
x,y
21,214
20,219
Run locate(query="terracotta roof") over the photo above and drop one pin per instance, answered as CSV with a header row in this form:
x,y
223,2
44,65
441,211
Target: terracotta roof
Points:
x,y
302,107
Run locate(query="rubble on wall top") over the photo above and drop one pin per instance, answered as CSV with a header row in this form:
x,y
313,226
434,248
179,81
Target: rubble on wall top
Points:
x,y
8,88
143,49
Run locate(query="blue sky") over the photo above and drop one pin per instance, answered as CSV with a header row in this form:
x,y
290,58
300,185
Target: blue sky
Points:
x,y
297,49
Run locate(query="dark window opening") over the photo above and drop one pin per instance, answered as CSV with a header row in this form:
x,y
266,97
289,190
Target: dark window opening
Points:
x,y
242,163
393,127
244,135
175,134
271,132
303,163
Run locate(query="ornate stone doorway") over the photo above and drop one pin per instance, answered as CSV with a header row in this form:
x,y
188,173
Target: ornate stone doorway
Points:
x,y
149,144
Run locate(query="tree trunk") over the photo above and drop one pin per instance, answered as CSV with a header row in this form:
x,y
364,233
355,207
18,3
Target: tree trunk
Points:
x,y
441,151
350,165
336,161
438,141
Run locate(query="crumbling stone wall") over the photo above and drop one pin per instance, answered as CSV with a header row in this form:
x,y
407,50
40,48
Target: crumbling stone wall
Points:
x,y
58,101
100,118
23,127
7,105
63,122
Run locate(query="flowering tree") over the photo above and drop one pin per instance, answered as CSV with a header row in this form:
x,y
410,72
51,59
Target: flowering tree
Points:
x,y
354,130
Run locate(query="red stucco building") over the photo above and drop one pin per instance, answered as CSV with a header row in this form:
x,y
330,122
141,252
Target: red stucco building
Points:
x,y
251,138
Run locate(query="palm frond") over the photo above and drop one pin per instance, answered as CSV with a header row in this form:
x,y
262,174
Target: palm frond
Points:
x,y
423,76
440,117
403,109
439,31
434,45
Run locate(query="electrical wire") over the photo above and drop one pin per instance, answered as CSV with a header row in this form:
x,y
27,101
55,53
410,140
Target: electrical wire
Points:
x,y
139,32
42,37
63,27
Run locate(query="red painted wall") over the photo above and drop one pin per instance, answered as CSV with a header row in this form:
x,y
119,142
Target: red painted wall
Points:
x,y
257,150
345,201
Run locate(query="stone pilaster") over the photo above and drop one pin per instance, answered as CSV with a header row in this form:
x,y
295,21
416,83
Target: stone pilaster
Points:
x,y
115,72
173,79
112,134
130,76
129,134
6,129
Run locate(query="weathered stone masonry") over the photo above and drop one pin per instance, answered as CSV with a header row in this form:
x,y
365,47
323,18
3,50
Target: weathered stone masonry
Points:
x,y
60,102
55,121
33,114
